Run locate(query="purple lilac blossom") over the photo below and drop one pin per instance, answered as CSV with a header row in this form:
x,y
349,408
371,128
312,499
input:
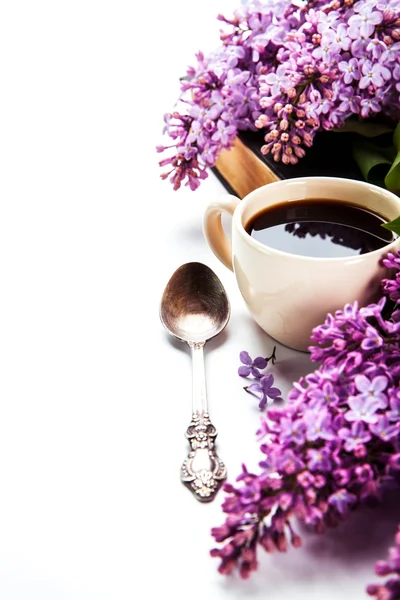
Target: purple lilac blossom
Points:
x,y
358,434
332,447
264,389
251,367
254,367
290,69
362,409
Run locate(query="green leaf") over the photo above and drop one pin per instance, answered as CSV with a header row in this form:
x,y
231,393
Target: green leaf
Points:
x,y
372,161
392,179
393,225
365,127
396,137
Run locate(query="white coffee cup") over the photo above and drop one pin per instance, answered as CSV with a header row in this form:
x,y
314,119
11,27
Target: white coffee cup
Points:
x,y
287,294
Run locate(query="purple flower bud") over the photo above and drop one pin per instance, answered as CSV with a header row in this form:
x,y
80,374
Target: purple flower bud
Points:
x,y
220,533
281,542
310,495
305,479
342,476
373,590
285,500
382,568
323,506
267,542
363,473
296,541
360,451
319,481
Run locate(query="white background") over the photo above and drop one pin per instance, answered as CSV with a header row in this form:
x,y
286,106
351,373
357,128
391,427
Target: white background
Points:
x,y
94,399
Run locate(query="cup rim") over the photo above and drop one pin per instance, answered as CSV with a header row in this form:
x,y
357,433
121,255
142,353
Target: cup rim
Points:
x,y
265,249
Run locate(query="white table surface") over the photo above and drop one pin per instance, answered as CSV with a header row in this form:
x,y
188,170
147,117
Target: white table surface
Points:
x,y
94,398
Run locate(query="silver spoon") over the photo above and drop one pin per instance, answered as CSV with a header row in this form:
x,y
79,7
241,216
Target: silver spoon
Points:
x,y
194,309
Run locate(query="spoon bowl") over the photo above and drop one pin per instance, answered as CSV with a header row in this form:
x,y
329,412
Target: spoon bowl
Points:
x,y
195,308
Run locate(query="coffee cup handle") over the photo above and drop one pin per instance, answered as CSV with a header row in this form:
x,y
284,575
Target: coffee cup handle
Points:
x,y
213,230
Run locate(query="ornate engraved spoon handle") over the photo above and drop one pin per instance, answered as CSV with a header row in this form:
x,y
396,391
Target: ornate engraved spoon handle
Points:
x,y
202,471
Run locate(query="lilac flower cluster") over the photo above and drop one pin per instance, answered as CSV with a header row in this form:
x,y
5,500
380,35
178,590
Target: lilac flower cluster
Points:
x,y
335,445
391,589
263,388
290,68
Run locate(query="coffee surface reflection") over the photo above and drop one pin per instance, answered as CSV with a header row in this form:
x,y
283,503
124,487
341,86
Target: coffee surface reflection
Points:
x,y
319,228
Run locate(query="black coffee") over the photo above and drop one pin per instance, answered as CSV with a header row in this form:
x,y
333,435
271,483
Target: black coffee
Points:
x,y
320,228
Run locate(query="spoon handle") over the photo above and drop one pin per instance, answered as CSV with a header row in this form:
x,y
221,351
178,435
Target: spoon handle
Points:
x,y
202,471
